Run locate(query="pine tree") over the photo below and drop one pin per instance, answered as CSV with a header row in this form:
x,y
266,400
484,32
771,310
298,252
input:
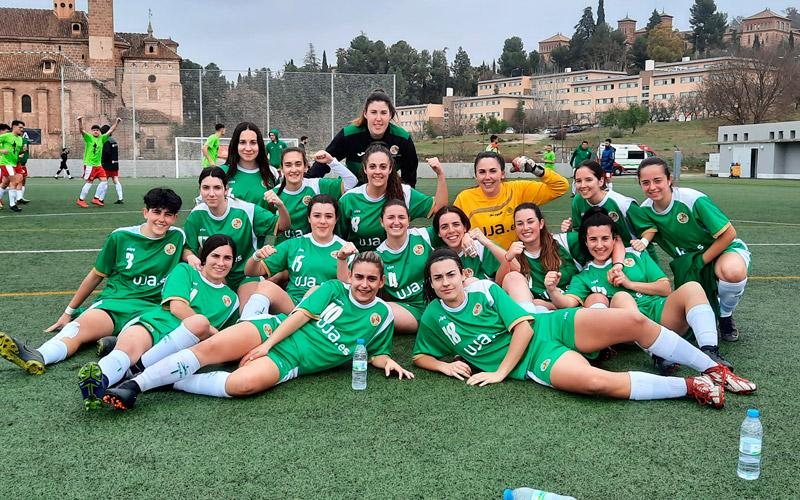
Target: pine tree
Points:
x,y
463,73
310,61
791,40
324,68
757,43
655,20
601,13
708,26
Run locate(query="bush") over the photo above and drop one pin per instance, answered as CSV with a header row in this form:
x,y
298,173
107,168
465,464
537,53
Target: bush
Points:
x,y
615,133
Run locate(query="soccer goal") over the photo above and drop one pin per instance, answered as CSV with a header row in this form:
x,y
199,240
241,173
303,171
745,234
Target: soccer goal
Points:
x,y
189,153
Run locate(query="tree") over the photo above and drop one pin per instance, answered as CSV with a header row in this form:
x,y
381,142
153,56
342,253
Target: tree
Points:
x,y
362,56
518,118
513,57
757,43
439,76
463,74
637,55
402,58
606,49
289,67
655,20
794,16
791,40
561,57
310,61
708,26
579,45
664,45
324,68
633,117
534,61
601,13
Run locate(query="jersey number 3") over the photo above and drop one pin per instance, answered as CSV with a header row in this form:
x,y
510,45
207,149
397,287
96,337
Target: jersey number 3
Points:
x,y
129,259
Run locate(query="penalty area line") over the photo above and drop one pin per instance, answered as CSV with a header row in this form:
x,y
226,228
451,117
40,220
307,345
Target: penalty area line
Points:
x,y
74,250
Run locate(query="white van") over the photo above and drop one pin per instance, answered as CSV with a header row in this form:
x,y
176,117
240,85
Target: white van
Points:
x,y
627,156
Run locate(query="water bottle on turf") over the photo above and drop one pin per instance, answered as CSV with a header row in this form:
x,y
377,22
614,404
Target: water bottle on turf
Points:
x,y
360,366
532,494
750,446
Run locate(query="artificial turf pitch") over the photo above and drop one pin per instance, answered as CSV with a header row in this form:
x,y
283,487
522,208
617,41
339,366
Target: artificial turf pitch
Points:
x,y
433,437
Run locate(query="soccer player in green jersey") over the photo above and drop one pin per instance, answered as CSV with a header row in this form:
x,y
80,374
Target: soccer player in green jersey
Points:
x,y
135,261
10,149
309,261
249,172
319,335
480,256
695,233
194,305
489,330
93,162
274,148
242,221
296,191
211,147
361,206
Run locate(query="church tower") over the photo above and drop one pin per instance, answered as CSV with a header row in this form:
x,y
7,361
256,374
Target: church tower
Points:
x,y
101,38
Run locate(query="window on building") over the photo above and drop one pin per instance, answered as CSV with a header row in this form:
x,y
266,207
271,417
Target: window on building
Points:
x,y
76,28
151,49
780,135
26,104
152,94
735,137
150,144
636,155
746,136
151,78
792,135
772,136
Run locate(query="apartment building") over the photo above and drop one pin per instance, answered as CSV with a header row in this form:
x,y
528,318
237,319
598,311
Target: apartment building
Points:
x,y
413,118
520,85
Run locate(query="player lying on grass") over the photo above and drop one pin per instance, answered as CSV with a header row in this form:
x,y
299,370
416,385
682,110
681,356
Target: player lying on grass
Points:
x,y
244,222
695,233
484,326
309,260
480,256
194,305
638,284
135,261
319,335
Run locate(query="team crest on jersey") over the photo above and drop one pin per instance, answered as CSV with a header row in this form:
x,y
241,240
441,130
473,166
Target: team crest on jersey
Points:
x,y
468,273
227,301
306,200
267,330
394,149
335,254
375,319
545,364
169,249
418,249
614,216
236,223
628,262
683,218
476,311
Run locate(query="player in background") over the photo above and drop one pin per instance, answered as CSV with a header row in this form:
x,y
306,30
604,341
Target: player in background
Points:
x,y
63,167
4,179
480,256
275,349
134,261
10,149
549,157
110,163
489,330
93,162
250,174
275,147
211,147
194,305
492,146
22,170
361,206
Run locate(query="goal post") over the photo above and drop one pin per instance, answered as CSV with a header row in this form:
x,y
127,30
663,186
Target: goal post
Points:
x,y
189,153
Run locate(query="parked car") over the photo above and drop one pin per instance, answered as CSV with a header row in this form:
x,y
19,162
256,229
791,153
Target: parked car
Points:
x,y
628,156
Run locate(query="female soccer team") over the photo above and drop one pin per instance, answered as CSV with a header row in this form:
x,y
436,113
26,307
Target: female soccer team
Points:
x,y
346,265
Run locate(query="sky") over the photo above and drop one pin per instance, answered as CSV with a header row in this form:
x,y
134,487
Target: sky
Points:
x,y
241,34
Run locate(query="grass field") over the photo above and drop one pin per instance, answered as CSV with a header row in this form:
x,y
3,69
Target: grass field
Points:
x,y
432,437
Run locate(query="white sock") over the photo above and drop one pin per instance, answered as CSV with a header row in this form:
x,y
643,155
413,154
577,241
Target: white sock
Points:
x,y
114,366
645,386
704,324
85,190
118,187
100,193
53,351
12,197
206,384
598,305
729,296
168,371
177,339
256,305
2,193
672,347
20,193
528,306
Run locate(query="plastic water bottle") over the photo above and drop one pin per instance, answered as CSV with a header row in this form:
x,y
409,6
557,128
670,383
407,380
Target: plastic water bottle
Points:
x,y
750,446
532,494
360,366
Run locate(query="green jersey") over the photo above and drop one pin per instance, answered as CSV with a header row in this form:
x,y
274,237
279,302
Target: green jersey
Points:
x,y
212,143
136,266
405,268
13,146
620,208
93,152
337,322
218,303
360,215
297,203
549,159
25,153
483,265
242,221
479,330
309,263
567,251
274,150
690,223
247,185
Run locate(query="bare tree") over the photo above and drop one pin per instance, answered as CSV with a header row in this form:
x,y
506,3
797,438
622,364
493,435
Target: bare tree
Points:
x,y
457,123
691,106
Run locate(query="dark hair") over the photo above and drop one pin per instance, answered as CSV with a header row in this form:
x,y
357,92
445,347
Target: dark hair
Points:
x,y
607,140
594,217
261,158
96,127
584,142
105,128
450,209
375,95
549,256
303,138
394,202
324,198
283,155
438,255
218,126
4,126
596,170
394,186
492,137
213,172
213,242
17,122
369,257
653,160
163,198
488,154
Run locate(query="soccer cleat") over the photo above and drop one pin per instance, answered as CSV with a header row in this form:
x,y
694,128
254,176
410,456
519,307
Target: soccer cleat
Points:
x,y
1,204
18,353
665,368
724,377
70,177
97,201
705,391
119,202
14,208
23,201
713,352
92,384
55,177
105,345
727,329
82,203
123,396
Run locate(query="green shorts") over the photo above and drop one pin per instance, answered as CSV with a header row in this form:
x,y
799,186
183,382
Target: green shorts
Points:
x,y
236,280
121,311
740,247
416,310
286,356
653,308
553,335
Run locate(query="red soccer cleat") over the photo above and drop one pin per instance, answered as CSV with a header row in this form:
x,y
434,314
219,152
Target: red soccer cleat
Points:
x,y
705,391
96,201
82,203
723,376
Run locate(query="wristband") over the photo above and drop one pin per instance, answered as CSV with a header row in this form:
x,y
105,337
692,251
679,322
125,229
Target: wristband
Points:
x,y
256,258
506,257
615,263
645,241
69,310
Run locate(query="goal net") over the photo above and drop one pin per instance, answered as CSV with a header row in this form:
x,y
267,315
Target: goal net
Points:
x,y
189,154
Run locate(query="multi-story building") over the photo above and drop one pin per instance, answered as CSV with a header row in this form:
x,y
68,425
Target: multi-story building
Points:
x,y
520,85
768,27
548,44
413,118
